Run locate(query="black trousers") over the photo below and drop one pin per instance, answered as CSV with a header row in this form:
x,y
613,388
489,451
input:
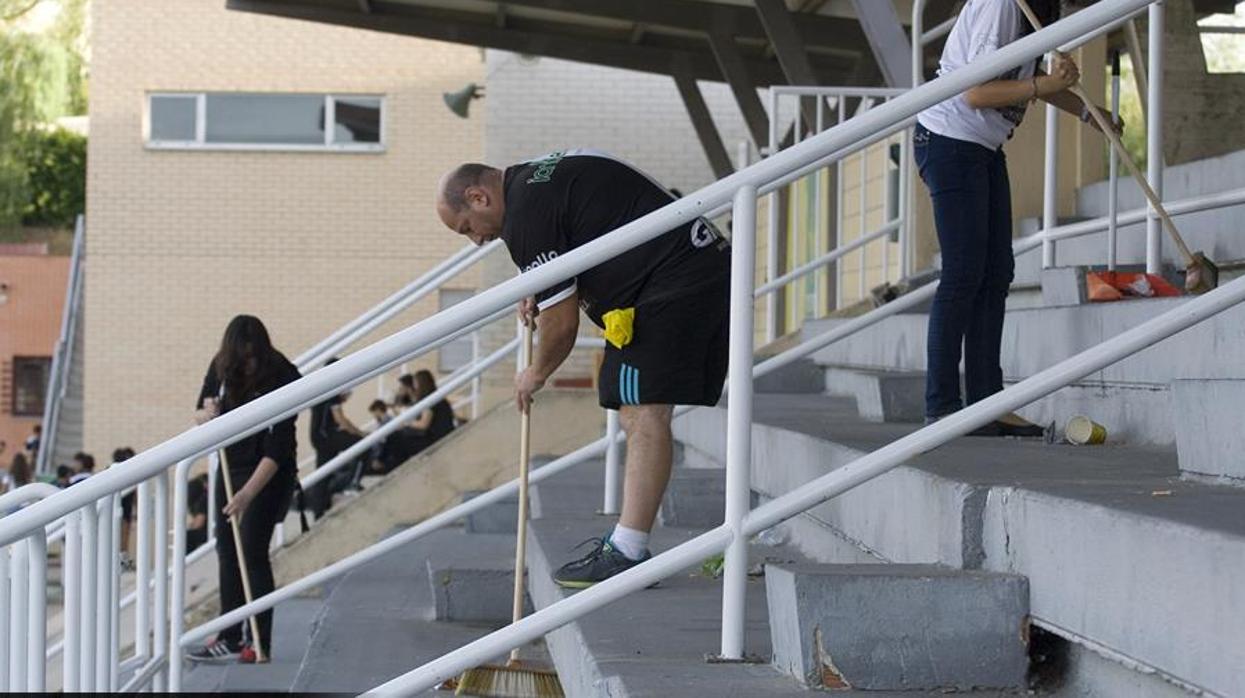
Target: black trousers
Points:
x,y
320,495
256,526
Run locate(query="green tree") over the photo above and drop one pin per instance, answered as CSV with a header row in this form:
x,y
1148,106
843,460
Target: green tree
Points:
x,y
41,78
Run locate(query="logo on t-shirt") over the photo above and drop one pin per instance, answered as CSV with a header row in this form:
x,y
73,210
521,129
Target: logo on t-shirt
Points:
x,y
545,167
542,258
703,235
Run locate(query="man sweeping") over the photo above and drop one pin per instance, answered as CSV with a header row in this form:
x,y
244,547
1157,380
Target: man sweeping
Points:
x,y
663,306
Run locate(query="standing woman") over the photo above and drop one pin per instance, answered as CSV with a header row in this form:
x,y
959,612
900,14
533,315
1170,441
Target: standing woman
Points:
x,y
263,471
958,146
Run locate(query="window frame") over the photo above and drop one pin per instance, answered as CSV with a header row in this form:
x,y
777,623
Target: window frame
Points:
x,y
13,369
330,113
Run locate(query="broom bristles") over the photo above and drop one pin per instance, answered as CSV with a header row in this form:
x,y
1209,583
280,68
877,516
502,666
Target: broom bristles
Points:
x,y
509,682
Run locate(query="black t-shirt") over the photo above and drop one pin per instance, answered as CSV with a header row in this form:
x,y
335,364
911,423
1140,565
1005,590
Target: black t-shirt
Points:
x,y
569,198
442,420
323,426
277,442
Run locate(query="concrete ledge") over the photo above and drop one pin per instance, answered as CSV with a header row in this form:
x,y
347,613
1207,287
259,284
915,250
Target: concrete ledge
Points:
x,y
803,376
1149,579
694,498
881,396
1209,439
473,581
898,627
501,517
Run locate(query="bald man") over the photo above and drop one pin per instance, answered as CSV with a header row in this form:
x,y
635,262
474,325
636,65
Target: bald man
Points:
x,y
664,306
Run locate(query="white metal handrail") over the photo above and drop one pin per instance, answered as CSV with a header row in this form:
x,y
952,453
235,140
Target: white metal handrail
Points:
x,y
822,488
826,259
407,296
740,523
62,356
393,350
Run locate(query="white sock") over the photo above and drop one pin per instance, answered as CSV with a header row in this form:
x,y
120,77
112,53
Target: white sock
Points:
x,y
630,542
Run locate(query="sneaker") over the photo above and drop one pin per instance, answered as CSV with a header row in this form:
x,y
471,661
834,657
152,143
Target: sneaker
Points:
x,y
219,652
601,563
249,656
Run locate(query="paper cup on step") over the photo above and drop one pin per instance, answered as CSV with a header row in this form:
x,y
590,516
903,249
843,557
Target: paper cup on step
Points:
x,y
1084,431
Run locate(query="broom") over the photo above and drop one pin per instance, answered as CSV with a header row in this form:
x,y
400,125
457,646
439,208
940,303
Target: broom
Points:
x,y
1201,274
246,574
515,679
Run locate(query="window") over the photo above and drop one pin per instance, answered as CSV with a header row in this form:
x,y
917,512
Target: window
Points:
x,y
265,121
457,353
30,384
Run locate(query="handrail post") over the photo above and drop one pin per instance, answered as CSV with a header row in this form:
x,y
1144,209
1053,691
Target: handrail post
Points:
x,y
177,602
37,628
475,382
6,614
612,458
161,645
1050,188
71,584
918,42
771,226
114,594
1154,139
19,617
103,593
1113,169
90,579
739,421
142,558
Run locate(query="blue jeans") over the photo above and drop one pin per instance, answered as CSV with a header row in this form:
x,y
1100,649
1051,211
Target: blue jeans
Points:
x,y
973,213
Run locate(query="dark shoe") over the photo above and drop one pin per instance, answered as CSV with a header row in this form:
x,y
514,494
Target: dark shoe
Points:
x,y
604,561
219,652
249,656
998,428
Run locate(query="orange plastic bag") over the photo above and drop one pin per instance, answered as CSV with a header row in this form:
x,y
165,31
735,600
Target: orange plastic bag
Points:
x,y
1105,286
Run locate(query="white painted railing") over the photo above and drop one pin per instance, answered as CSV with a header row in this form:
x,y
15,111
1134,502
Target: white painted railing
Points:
x,y
94,497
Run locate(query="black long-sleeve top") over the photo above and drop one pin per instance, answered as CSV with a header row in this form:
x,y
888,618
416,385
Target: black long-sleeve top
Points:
x,y
277,442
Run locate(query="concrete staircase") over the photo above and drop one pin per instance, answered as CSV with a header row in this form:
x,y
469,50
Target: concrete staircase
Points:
x,y
68,439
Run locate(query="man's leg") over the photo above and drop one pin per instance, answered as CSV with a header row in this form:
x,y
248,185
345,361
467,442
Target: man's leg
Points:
x,y
649,453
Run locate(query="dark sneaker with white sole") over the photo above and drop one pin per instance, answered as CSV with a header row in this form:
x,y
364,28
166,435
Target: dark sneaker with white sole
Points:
x,y
219,652
601,563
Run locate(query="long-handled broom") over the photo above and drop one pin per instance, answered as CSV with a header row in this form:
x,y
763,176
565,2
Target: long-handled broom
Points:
x,y
242,568
516,679
1201,274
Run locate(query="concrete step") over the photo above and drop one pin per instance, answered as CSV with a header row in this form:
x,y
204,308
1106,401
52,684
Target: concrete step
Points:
x,y
1209,438
898,627
803,376
881,396
472,579
501,517
1104,534
378,622
1130,398
695,498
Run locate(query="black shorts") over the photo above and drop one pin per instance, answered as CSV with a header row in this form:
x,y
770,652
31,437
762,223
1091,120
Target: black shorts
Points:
x,y
677,354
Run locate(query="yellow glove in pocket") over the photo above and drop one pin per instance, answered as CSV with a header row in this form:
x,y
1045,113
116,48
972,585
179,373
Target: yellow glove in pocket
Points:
x,y
619,326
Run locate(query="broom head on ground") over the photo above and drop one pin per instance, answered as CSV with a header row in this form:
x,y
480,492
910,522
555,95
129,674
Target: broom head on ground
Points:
x,y
512,680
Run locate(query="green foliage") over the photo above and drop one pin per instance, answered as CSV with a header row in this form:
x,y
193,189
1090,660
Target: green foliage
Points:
x,y
42,78
56,172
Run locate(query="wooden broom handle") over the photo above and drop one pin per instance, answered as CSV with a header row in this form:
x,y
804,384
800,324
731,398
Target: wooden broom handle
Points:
x,y
242,568
1114,138
525,448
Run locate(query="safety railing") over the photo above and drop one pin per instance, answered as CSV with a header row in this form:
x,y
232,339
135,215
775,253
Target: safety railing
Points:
x,y
732,535
430,333
62,354
809,239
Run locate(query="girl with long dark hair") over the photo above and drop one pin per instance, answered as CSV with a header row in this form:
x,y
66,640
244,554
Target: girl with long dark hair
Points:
x,y
959,152
263,470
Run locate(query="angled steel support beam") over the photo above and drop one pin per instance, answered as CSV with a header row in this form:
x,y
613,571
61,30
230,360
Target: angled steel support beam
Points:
x,y
702,121
886,36
480,30
742,86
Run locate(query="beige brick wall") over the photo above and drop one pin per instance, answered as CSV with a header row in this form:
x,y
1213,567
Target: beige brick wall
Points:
x,y
180,241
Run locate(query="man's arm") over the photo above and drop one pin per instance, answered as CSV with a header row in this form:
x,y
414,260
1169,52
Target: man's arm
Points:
x,y
558,325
